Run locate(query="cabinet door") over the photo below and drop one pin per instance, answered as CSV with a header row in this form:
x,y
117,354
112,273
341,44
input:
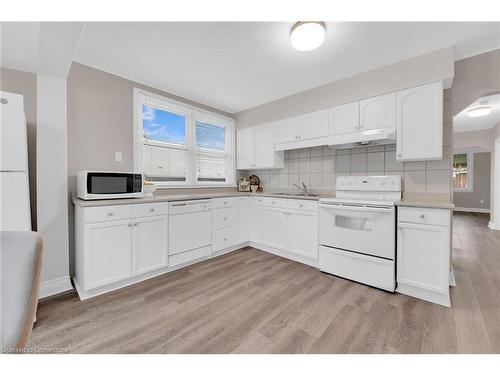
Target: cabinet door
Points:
x,y
242,219
423,256
287,130
149,244
420,123
344,119
313,125
255,216
245,148
303,234
265,156
274,228
378,112
109,252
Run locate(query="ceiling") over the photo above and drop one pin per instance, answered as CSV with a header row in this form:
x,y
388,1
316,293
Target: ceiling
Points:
x,y
464,123
238,65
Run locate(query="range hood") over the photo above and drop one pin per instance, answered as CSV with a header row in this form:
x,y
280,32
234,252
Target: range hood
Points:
x,y
363,138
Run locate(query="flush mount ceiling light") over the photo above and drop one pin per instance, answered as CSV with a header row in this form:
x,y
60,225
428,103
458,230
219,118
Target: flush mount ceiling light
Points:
x,y
479,111
306,36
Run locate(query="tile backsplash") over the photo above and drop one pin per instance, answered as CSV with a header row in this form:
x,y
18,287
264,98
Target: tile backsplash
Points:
x,y
317,167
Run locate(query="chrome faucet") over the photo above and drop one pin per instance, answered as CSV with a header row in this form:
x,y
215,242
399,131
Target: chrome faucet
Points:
x,y
303,188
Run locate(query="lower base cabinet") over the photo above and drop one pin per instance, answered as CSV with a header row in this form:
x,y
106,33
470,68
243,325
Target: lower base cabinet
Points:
x,y
149,244
115,244
423,256
287,225
108,251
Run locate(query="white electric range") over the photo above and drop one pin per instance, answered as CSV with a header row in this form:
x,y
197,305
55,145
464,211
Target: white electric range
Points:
x,y
357,230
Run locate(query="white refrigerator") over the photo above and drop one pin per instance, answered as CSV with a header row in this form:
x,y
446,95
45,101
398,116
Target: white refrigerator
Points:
x,y
14,182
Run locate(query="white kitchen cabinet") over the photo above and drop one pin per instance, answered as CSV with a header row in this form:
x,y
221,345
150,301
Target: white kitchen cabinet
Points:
x,y
302,131
242,219
423,253
344,119
245,148
108,252
149,244
302,229
287,227
377,112
256,148
420,123
256,211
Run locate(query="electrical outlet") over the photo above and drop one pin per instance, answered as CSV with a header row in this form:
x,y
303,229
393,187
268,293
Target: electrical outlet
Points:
x,y
481,201
118,156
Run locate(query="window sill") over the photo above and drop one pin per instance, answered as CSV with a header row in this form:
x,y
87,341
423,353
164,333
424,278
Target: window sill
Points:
x,y
163,187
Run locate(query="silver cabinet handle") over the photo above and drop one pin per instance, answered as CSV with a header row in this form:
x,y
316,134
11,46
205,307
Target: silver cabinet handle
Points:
x,y
225,238
225,202
152,210
422,216
399,155
111,213
225,218
135,224
129,225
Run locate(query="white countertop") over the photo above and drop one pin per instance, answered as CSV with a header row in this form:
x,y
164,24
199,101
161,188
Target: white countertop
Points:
x,y
183,197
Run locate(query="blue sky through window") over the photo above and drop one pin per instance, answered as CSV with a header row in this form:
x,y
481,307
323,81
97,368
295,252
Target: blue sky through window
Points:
x,y
163,126
210,136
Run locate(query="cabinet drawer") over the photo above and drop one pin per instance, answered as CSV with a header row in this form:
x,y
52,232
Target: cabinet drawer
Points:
x,y
223,238
107,213
417,215
183,207
224,217
223,202
303,205
149,209
274,202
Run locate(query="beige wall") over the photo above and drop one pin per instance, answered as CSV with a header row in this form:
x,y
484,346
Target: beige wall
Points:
x,y
100,122
480,185
475,77
24,83
413,72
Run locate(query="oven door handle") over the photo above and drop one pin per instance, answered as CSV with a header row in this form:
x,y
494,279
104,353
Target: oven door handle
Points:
x,y
387,209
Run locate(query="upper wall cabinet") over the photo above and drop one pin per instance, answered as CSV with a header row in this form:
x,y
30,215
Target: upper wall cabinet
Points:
x,y
377,112
344,119
301,131
256,148
420,123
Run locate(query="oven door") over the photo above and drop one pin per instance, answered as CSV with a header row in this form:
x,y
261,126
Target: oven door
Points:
x,y
366,229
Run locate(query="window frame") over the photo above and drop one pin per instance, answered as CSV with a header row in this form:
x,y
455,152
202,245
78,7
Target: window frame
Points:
x,y
470,171
192,114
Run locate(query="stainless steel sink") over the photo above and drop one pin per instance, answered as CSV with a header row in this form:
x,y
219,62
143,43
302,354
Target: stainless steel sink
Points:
x,y
299,194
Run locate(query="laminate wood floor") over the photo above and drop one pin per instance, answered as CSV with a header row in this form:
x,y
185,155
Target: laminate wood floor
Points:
x,y
250,301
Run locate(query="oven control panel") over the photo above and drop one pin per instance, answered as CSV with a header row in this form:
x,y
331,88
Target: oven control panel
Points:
x,y
368,183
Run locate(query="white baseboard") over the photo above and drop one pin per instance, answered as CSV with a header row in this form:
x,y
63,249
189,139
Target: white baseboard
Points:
x,y
492,226
470,209
55,286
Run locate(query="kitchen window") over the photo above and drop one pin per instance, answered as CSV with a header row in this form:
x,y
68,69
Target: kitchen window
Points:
x,y
177,145
463,171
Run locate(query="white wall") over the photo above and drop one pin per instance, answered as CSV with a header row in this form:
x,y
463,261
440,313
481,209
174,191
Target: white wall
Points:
x,y
52,200
484,140
495,196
